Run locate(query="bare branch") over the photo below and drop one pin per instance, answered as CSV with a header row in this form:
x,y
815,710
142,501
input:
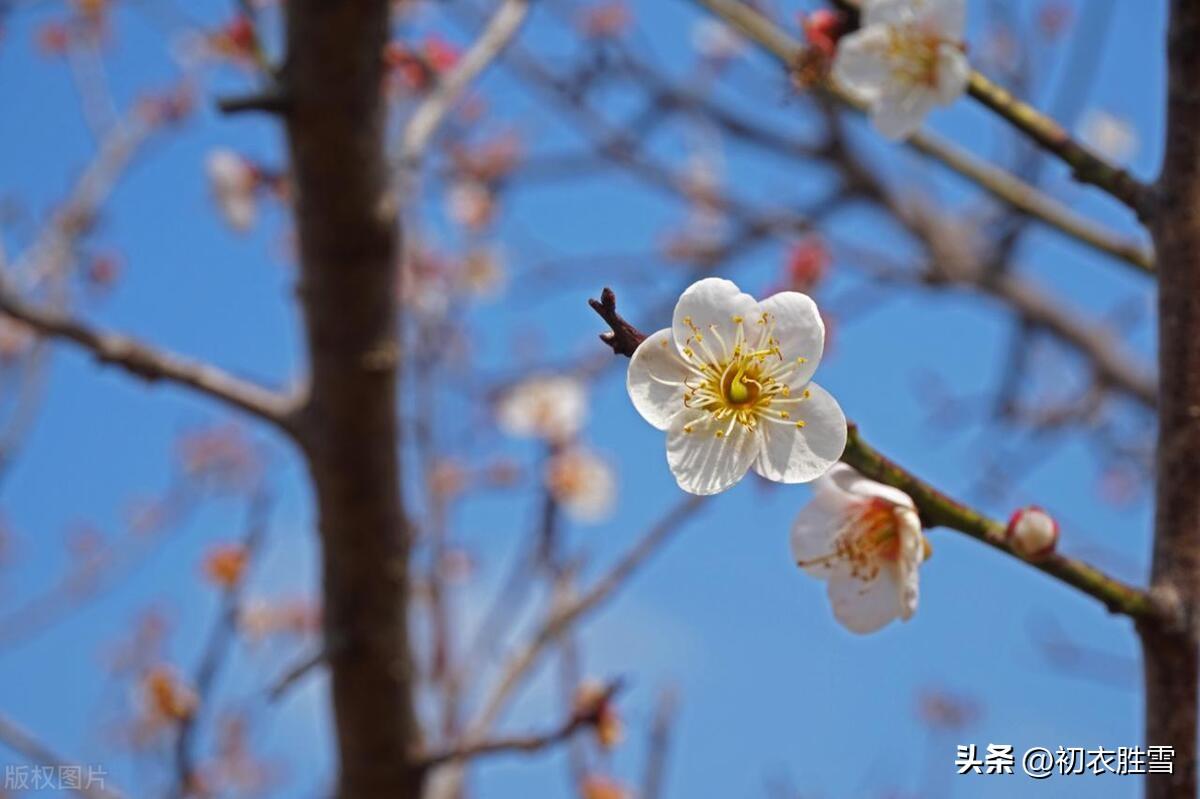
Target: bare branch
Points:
x,y
148,363
425,121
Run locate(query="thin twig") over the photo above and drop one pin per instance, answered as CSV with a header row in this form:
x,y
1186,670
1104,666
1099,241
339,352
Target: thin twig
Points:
x,y
581,719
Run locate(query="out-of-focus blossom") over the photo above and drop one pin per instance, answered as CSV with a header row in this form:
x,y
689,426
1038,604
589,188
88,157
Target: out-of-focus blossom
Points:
x,y
168,107
599,786
607,19
1054,17
593,702
550,407
715,42
941,710
225,565
471,204
236,40
261,619
864,538
481,273
165,697
582,483
102,271
807,261
1110,135
15,340
419,67
220,454
424,284
907,58
447,479
1032,533
233,180
53,39
731,384
490,160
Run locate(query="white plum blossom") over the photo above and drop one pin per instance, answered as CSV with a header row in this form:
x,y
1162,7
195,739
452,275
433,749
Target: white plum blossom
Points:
x,y
582,483
907,57
731,384
550,407
1110,135
233,180
863,538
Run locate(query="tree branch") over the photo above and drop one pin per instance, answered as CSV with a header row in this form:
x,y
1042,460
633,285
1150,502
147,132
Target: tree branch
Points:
x,y
148,363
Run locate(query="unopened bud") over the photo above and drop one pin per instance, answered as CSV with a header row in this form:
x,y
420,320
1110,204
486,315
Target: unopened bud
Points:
x,y
1032,533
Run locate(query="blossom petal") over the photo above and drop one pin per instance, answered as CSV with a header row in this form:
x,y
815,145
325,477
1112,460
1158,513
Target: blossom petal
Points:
x,y
843,486
865,606
814,536
947,18
900,110
889,12
862,65
655,379
908,562
707,456
953,73
712,301
799,331
791,454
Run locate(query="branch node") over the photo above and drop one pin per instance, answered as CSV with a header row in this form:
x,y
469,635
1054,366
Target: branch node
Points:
x,y
624,337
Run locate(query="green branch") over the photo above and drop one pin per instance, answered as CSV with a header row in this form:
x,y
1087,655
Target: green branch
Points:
x,y
939,510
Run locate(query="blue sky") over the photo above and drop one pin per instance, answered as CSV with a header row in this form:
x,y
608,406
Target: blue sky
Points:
x,y
769,684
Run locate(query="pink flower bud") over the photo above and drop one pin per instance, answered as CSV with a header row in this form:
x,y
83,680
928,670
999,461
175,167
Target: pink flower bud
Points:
x,y
1032,533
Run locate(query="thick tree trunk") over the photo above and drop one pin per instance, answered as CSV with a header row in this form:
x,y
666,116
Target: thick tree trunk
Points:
x,y
348,249
1170,649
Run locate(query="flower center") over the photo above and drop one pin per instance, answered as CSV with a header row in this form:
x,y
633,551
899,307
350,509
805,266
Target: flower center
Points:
x,y
740,389
914,55
868,539
743,382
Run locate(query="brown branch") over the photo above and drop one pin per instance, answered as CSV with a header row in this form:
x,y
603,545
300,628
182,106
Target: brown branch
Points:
x,y
1170,652
148,363
581,719
938,510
